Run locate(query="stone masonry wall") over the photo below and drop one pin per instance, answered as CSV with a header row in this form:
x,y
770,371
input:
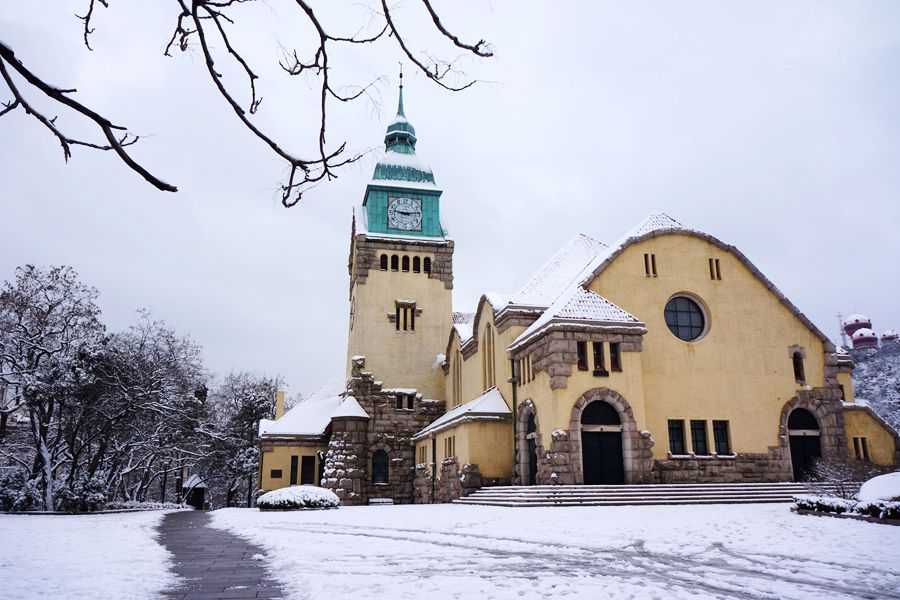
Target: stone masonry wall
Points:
x,y
369,251
389,429
557,351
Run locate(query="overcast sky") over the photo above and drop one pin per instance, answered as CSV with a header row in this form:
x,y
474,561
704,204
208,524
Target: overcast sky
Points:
x,y
773,126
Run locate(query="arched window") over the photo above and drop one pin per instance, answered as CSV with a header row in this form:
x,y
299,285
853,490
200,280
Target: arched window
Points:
x,y
600,413
405,264
426,264
457,378
384,262
487,360
801,418
380,469
799,373
532,425
395,263
417,264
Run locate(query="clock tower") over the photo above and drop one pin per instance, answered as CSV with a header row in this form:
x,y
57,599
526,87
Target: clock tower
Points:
x,y
401,270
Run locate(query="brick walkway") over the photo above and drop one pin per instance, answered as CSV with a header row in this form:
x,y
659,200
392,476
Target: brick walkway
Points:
x,y
214,564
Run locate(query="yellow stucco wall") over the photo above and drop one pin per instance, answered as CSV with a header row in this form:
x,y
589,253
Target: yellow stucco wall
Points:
x,y
401,359
740,371
280,458
488,444
846,380
882,445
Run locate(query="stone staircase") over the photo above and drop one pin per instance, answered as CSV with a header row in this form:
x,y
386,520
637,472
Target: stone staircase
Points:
x,y
621,495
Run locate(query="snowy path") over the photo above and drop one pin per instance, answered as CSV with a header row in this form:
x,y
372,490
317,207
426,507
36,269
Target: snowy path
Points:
x,y
609,552
90,557
212,564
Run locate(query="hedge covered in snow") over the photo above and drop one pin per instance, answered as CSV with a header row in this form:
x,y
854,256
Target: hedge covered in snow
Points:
x,y
298,497
879,497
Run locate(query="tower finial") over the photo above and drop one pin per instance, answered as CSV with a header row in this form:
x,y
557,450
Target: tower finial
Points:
x,y
400,105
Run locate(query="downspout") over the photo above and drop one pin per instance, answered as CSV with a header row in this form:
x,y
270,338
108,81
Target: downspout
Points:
x,y
514,380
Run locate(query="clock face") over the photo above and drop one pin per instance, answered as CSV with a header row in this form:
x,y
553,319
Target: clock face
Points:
x,y
405,214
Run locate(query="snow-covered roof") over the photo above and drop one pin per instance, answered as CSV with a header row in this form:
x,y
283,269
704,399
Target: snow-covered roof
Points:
x,y
578,306
488,406
193,482
497,300
462,323
853,319
655,222
350,408
863,333
402,159
557,274
310,416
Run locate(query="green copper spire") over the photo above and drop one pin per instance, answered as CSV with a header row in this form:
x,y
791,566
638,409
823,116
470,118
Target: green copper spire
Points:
x,y
400,106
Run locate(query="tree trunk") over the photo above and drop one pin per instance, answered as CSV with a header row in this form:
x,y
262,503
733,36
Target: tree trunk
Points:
x,y
3,418
249,491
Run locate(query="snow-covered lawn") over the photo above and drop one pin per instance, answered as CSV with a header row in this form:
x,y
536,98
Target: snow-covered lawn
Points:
x,y
90,557
452,551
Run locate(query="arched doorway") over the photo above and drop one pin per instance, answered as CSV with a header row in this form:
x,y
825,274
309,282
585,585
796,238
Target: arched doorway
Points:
x,y
531,442
601,444
806,447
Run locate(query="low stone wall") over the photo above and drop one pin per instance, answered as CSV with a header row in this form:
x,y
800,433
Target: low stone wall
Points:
x,y
741,468
452,483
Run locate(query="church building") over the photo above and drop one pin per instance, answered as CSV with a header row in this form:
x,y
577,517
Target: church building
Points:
x,y
664,357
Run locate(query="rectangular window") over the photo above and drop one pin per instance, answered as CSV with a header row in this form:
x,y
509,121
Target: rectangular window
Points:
x,y
412,318
676,437
647,272
582,355
698,438
399,401
294,464
712,268
615,357
404,315
720,437
410,401
718,270
599,359
397,318
861,448
653,264
275,473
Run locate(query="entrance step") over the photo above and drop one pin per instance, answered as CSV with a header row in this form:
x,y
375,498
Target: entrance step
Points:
x,y
623,495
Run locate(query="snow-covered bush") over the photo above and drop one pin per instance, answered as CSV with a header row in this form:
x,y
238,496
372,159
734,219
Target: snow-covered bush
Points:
x,y
298,497
824,504
83,495
136,505
880,509
883,487
17,492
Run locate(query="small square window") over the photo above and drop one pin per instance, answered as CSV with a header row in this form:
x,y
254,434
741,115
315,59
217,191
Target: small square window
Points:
x,y
275,474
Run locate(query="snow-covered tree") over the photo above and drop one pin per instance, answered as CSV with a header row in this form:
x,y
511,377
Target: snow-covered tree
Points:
x,y
238,403
47,319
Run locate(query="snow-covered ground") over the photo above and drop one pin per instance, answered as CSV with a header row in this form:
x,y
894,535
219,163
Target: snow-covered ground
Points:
x,y
75,557
452,551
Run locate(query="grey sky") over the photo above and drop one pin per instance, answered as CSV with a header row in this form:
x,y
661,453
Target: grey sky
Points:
x,y
772,126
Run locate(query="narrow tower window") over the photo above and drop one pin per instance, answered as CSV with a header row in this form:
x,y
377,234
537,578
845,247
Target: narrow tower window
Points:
x,y
427,264
615,357
395,263
405,264
650,265
582,355
384,262
417,264
799,374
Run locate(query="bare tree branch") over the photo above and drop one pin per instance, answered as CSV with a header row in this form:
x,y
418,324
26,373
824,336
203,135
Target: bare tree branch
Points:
x,y
117,145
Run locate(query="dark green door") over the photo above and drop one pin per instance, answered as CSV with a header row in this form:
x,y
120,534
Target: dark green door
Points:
x,y
805,449
308,470
602,458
